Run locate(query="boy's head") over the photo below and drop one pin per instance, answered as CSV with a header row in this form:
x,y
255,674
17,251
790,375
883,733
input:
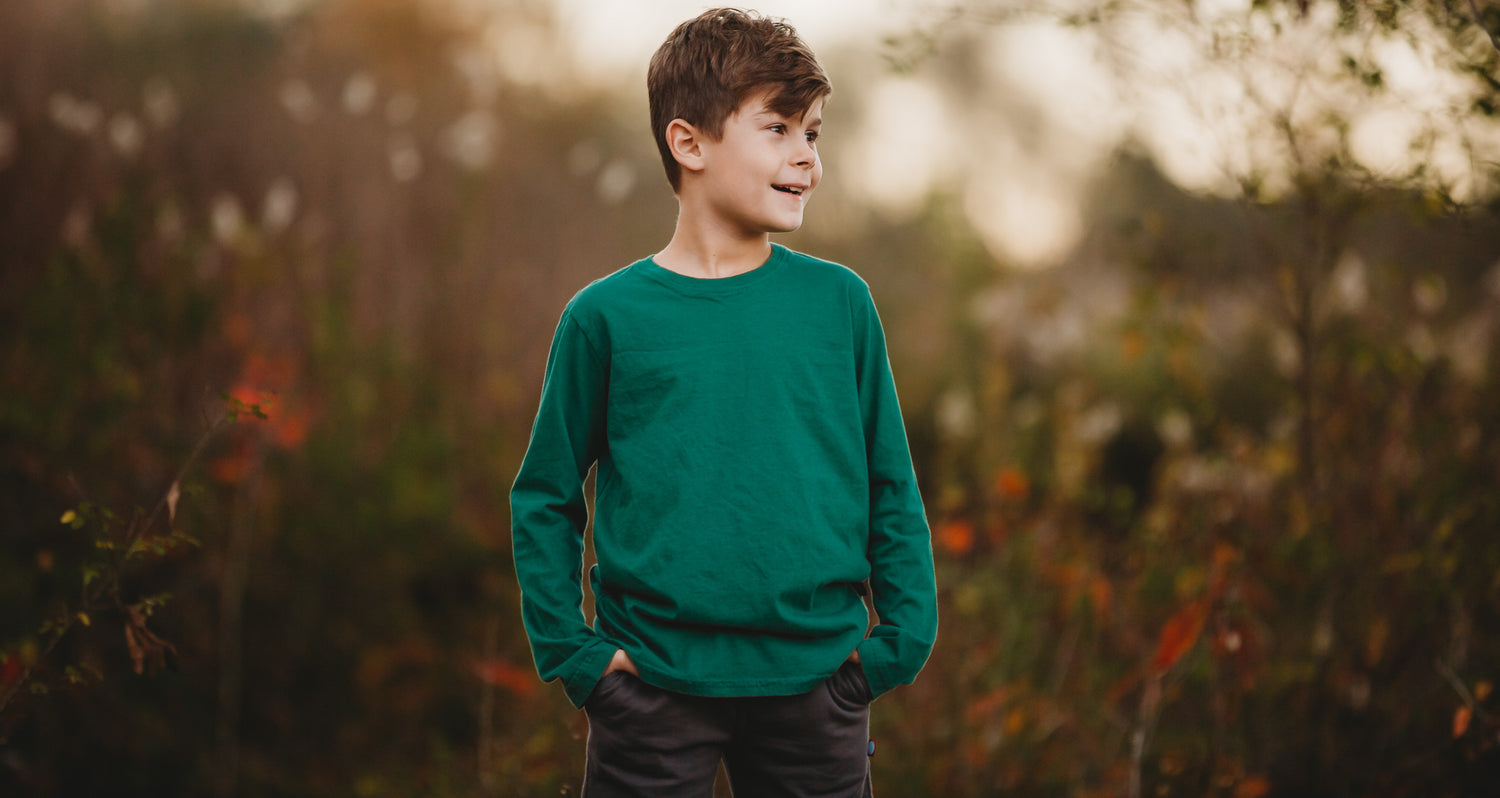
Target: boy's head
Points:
x,y
711,64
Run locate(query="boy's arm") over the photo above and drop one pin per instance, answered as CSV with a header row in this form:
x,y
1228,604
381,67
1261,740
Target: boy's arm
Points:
x,y
549,514
902,582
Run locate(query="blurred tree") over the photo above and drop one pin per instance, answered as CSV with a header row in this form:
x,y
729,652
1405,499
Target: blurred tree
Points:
x,y
1340,252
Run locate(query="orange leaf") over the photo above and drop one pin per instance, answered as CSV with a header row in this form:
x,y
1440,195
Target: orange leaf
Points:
x,y
1461,718
957,536
1010,483
247,395
500,673
1015,721
1179,635
1252,787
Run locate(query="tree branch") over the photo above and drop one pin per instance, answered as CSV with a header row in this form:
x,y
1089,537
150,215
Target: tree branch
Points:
x,y
108,585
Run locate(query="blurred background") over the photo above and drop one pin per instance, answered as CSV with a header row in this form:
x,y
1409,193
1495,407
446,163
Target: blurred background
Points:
x,y
1194,309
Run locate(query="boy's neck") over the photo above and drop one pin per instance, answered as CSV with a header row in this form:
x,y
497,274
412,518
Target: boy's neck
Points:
x,y
710,252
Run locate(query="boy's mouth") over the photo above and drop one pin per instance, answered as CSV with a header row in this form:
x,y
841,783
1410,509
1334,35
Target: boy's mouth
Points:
x,y
790,189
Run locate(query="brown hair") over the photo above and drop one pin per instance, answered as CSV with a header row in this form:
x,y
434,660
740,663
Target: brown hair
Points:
x,y
711,63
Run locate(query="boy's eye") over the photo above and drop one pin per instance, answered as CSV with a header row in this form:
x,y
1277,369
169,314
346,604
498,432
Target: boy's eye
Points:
x,y
812,135
777,128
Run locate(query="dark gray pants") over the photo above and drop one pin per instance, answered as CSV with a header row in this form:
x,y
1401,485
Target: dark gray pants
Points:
x,y
653,743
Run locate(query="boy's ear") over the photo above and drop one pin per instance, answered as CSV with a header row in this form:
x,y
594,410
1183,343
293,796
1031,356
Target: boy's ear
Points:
x,y
685,142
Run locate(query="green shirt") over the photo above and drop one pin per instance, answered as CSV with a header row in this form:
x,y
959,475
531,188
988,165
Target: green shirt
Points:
x,y
753,473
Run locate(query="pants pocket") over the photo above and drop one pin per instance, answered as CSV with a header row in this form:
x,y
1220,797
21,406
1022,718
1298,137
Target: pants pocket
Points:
x,y
849,687
607,686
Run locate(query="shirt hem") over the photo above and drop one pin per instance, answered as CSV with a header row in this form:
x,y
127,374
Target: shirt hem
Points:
x,y
736,688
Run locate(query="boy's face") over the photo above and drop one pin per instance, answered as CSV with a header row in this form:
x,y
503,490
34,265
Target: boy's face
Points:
x,y
758,177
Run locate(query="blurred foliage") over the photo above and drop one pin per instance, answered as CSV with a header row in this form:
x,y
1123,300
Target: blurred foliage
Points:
x,y
1215,500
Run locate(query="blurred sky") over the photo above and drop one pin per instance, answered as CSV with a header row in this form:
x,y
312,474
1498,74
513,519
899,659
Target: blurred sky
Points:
x,y
1201,86
620,34
911,139
1059,101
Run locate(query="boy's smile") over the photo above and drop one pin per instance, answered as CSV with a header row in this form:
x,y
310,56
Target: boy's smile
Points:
x,y
758,176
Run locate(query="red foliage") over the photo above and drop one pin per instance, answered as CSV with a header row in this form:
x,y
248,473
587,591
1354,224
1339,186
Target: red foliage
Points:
x,y
259,394
1461,718
518,680
1252,787
235,465
957,536
1011,484
10,670
1179,635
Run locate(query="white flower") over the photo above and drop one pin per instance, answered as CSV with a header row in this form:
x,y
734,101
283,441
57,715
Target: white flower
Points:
x,y
279,206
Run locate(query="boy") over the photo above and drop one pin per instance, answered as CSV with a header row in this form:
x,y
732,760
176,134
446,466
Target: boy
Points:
x,y
753,471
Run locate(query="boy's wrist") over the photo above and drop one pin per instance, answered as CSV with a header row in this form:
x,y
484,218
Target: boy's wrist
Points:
x,y
621,662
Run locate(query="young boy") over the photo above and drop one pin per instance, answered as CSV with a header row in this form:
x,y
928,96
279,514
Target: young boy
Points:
x,y
753,471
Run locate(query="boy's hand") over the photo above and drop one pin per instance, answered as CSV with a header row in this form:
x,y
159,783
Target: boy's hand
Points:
x,y
621,662
854,658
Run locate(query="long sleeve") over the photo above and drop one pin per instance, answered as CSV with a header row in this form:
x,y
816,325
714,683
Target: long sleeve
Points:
x,y
902,580
549,513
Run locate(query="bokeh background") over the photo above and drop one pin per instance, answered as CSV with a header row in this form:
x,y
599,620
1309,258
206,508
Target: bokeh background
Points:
x,y
1194,309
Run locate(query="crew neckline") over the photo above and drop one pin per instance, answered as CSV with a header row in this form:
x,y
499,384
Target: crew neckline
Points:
x,y
714,285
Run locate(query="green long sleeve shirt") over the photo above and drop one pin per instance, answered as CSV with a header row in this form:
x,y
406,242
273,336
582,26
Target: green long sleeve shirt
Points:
x,y
753,473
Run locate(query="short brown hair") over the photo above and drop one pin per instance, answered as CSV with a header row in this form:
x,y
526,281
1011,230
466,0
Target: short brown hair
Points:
x,y
713,62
